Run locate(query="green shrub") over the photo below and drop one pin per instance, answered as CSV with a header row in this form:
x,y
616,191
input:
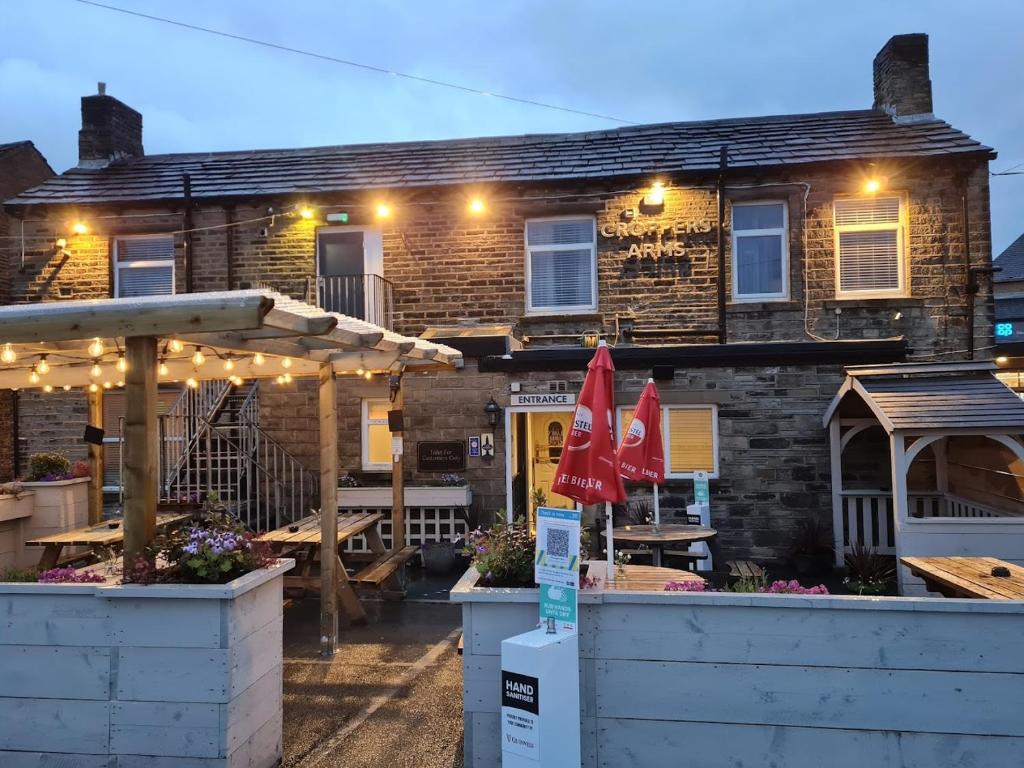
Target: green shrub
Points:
x,y
28,575
43,467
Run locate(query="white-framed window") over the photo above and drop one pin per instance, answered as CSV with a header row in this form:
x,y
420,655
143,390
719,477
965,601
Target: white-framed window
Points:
x,y
143,265
760,251
376,437
690,433
869,243
561,264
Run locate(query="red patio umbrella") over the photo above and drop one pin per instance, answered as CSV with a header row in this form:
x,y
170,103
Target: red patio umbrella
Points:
x,y
642,452
588,469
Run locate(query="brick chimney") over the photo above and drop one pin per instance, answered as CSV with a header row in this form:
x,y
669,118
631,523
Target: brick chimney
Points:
x,y
110,131
903,87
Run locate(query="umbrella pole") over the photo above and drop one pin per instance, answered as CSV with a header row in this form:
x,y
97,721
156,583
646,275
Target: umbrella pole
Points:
x,y
657,509
611,540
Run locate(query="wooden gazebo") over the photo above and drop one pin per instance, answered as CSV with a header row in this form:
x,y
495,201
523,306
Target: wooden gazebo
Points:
x,y
143,341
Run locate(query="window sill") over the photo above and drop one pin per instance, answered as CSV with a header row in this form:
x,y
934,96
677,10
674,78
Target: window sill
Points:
x,y
894,302
762,305
548,317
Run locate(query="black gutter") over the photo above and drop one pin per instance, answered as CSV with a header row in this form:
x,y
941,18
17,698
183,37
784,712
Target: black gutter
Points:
x,y
852,352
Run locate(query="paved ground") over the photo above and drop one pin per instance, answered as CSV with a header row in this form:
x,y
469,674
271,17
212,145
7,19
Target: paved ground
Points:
x,y
392,696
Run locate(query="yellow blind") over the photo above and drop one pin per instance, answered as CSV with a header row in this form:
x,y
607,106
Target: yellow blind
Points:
x,y
626,417
690,440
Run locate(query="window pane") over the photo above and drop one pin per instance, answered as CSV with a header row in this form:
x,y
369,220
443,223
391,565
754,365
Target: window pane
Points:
x,y
378,444
869,261
145,281
867,210
341,253
759,216
758,264
377,410
560,232
691,440
561,278
144,249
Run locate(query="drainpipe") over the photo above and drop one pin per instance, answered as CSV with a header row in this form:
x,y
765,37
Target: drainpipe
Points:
x,y
186,181
16,434
723,162
969,279
229,245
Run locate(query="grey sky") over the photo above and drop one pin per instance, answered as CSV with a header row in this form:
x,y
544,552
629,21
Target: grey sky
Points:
x,y
643,61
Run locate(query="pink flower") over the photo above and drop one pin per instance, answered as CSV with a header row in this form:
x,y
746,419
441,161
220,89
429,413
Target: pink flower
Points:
x,y
685,586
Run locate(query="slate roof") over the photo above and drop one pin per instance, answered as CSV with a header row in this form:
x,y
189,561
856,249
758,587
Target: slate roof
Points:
x,y
950,396
1008,310
1011,261
14,145
762,142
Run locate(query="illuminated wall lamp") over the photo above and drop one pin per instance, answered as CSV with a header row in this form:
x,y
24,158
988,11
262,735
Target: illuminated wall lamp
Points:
x,y
655,197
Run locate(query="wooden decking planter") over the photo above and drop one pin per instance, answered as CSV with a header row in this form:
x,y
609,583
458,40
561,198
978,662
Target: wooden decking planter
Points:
x,y
172,675
668,678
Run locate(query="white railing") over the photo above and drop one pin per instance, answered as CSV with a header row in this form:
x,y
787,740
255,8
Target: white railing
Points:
x,y
866,516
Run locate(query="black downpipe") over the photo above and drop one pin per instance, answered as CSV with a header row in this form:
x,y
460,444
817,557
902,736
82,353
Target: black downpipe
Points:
x,y
186,181
723,162
229,245
16,430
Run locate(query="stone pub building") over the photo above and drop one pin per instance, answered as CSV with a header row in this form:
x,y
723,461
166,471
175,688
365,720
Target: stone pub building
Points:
x,y
740,262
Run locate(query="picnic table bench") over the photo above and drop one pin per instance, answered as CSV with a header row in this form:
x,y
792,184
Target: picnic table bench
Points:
x,y
968,577
301,540
100,537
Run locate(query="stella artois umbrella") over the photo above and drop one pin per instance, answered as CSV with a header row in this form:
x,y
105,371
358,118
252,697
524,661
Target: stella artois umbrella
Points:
x,y
588,470
642,453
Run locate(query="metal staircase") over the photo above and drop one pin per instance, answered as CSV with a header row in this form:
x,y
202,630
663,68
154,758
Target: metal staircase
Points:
x,y
211,441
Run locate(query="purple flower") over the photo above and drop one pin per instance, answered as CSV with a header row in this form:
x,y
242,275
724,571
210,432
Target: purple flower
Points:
x,y
192,549
685,586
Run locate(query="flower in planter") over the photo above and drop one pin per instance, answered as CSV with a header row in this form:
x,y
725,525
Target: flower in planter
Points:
x,y
793,587
81,469
503,554
686,586
48,468
347,481
70,576
452,480
218,552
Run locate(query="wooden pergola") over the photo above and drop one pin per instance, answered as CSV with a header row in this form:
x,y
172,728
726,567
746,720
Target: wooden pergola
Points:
x,y
139,342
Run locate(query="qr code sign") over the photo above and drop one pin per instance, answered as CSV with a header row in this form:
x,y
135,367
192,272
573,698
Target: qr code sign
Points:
x,y
557,544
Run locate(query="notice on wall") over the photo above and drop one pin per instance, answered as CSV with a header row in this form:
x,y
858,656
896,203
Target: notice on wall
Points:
x,y
701,494
557,565
520,709
449,456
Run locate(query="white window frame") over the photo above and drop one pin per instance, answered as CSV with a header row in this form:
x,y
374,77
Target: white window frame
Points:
x,y
364,435
900,227
783,232
579,309
118,266
666,444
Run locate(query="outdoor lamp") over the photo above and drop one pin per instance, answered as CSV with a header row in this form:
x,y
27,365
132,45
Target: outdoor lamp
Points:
x,y
162,370
8,355
198,358
477,206
79,228
258,359
383,210
122,363
655,197
306,212
48,388
175,345
33,376
96,347
42,366
95,371
872,185
493,412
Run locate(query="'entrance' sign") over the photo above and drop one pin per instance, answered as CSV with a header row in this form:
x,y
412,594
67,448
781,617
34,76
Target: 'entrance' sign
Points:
x,y
548,398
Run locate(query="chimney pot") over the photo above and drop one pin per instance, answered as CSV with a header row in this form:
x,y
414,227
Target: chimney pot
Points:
x,y
111,130
903,86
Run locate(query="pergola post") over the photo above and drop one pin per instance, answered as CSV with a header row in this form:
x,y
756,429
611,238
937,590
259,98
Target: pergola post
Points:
x,y
900,502
328,398
140,446
836,457
397,478
95,459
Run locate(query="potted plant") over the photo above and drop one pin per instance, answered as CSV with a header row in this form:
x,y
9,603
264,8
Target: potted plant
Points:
x,y
867,571
812,547
503,554
61,494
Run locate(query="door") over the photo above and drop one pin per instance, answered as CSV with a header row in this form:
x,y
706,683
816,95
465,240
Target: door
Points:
x,y
534,447
348,261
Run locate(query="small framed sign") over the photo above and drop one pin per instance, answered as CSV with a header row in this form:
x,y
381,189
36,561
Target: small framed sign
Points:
x,y
396,421
93,435
447,456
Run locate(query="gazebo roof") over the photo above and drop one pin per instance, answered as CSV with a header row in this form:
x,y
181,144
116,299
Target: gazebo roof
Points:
x,y
932,397
263,333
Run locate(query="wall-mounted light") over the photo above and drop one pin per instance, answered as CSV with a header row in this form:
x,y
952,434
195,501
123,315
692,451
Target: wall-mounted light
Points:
x,y
80,228
872,185
655,196
306,212
1002,360
477,206
493,413
383,211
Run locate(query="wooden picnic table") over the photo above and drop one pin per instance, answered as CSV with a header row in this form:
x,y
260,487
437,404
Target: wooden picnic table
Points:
x,y
968,577
301,540
663,535
637,578
96,537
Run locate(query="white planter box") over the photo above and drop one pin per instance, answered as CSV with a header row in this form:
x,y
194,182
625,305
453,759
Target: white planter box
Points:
x,y
16,506
746,679
175,676
59,506
415,496
14,511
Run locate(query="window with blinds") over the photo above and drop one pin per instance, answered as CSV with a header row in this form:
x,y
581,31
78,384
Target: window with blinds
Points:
x,y
113,419
869,246
376,437
561,265
760,251
691,438
143,266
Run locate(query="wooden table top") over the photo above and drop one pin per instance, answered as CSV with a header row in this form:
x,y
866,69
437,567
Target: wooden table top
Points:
x,y
309,529
102,534
673,532
639,578
969,576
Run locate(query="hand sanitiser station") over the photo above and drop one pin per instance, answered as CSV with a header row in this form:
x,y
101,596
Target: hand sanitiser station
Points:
x,y
540,682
